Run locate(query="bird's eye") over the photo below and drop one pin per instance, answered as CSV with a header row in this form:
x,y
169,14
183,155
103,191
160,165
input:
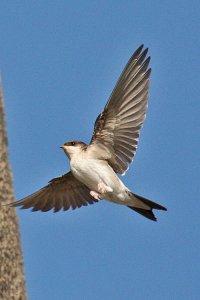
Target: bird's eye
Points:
x,y
73,143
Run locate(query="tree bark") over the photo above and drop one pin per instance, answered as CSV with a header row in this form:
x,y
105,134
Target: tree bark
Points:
x,y
12,280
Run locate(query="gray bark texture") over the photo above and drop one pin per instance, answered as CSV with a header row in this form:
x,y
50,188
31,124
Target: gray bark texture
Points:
x,y
12,280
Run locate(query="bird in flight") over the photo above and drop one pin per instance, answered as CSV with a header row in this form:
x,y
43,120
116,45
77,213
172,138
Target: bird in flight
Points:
x,y
94,167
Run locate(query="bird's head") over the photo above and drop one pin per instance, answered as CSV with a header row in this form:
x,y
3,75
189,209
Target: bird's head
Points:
x,y
73,148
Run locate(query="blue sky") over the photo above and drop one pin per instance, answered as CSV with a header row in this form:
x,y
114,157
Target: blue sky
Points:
x,y
59,62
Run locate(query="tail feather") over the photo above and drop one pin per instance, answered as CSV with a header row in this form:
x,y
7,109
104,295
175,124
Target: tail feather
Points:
x,y
148,213
144,212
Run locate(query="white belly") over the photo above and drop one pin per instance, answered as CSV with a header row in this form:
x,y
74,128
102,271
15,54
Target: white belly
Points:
x,y
92,172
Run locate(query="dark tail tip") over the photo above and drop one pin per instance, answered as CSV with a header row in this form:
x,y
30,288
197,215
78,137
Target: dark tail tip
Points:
x,y
146,213
150,203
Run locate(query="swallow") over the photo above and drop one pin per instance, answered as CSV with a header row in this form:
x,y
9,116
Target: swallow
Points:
x,y
94,167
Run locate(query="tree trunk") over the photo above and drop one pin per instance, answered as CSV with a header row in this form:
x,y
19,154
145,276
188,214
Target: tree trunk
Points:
x,y
12,280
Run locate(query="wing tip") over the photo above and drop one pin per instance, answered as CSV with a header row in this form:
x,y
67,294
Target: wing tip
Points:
x,y
140,47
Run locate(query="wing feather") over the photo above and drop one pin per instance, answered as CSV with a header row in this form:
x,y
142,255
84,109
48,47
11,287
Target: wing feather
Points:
x,y
61,192
117,128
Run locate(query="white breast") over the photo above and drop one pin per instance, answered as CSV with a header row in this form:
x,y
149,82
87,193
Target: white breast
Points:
x,y
93,171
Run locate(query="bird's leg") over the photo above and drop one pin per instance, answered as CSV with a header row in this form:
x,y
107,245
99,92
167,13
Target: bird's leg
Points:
x,y
95,195
103,188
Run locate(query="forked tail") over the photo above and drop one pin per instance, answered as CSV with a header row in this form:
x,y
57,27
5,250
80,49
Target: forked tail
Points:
x,y
146,212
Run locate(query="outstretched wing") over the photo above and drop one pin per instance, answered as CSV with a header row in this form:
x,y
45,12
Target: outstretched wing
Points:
x,y
117,128
61,192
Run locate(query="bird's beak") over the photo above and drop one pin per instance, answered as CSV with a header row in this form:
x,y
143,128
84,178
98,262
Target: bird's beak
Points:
x,y
62,147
